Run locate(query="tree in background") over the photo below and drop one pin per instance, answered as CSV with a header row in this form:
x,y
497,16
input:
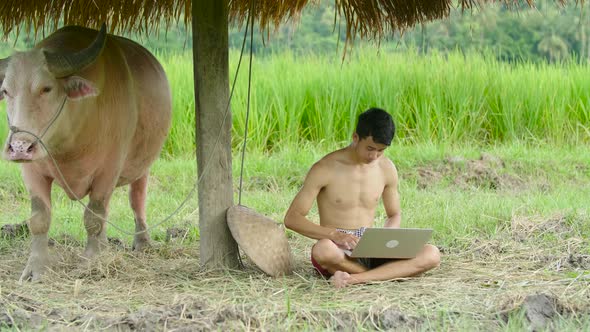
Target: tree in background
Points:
x,y
553,47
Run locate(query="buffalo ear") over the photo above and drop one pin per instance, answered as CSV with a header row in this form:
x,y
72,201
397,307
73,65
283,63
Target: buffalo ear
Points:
x,y
78,88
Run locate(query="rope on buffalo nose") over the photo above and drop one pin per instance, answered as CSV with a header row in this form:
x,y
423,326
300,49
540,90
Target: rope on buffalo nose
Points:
x,y
15,129
39,139
193,189
55,116
77,199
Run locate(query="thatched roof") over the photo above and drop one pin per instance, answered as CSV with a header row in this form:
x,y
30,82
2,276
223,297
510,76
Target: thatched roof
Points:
x,y
368,18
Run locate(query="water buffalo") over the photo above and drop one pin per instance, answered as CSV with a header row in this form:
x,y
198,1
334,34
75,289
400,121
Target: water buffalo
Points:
x,y
101,104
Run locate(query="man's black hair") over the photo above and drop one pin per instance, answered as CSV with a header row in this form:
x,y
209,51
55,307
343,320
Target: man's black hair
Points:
x,y
377,123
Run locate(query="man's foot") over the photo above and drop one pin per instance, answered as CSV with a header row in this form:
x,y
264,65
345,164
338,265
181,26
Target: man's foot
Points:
x,y
341,279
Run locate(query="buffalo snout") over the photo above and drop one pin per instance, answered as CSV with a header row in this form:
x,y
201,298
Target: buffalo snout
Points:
x,y
20,149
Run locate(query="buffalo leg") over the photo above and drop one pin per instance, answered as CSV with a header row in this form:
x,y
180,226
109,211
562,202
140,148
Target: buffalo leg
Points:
x,y
39,188
95,217
137,199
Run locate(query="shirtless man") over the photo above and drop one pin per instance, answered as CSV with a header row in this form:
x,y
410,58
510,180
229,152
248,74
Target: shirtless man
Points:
x,y
347,184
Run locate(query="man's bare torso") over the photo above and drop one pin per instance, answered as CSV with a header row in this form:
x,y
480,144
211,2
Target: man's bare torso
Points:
x,y
352,194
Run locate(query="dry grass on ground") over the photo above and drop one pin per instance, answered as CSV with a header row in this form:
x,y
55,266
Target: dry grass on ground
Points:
x,y
479,287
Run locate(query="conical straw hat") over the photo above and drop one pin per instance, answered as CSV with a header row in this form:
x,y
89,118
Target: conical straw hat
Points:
x,y
262,239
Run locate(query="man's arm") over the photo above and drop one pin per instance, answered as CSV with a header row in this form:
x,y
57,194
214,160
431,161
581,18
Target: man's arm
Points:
x,y
391,197
296,217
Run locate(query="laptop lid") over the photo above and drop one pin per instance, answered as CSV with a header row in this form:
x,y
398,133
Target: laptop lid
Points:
x,y
391,242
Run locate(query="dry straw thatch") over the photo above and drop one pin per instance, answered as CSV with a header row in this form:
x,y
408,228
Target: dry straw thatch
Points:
x,y
367,18
120,15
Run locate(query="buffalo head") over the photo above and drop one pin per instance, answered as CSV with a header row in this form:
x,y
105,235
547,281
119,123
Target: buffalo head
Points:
x,y
37,85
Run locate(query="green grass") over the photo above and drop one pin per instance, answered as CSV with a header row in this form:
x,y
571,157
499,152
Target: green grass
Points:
x,y
488,264
547,180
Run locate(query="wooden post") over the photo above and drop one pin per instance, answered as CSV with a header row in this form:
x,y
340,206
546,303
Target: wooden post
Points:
x,y
211,72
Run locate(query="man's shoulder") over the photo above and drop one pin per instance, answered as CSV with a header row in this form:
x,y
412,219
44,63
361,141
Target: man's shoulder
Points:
x,y
332,159
388,169
387,164
327,165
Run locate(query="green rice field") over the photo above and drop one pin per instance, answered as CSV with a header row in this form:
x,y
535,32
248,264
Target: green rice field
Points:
x,y
451,99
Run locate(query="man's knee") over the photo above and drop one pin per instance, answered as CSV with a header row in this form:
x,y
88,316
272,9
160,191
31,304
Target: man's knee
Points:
x,y
325,252
430,257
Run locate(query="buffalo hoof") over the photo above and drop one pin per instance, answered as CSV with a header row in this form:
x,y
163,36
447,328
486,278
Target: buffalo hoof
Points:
x,y
36,266
141,244
94,246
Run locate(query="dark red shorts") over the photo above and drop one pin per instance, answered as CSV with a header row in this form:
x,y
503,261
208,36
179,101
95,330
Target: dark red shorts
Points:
x,y
369,263
319,269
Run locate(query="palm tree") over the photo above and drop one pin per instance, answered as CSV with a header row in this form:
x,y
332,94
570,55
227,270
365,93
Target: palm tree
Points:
x,y
553,47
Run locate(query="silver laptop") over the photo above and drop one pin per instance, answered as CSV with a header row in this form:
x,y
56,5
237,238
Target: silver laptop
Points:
x,y
391,242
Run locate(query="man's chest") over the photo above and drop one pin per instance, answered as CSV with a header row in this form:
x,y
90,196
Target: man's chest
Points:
x,y
353,189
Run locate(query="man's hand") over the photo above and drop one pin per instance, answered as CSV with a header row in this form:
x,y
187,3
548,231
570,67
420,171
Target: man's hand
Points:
x,y
344,240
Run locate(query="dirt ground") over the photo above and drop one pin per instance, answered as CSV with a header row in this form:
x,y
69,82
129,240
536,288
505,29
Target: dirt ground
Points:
x,y
165,289
486,284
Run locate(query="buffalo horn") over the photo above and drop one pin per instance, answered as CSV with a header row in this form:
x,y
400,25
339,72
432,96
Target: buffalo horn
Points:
x,y
66,64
